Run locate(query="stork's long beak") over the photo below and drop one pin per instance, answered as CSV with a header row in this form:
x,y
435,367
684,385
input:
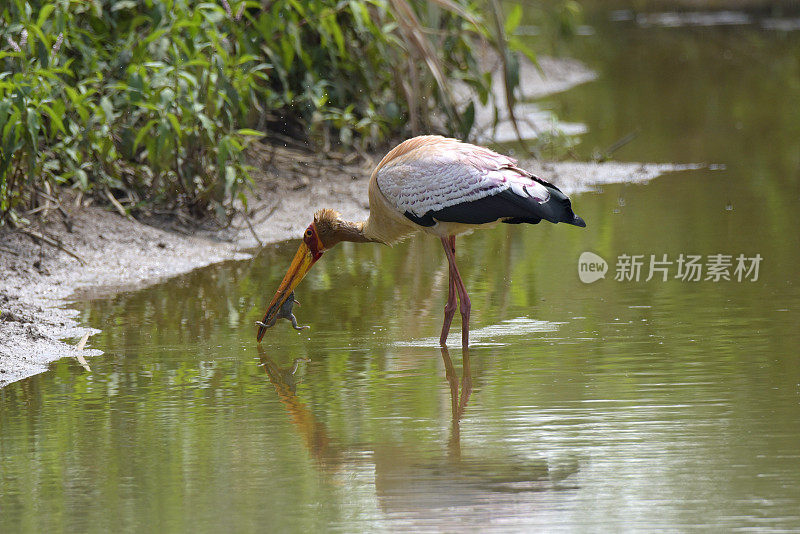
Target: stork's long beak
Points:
x,y
301,264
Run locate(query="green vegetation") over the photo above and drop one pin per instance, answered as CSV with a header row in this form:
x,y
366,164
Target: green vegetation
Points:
x,y
156,100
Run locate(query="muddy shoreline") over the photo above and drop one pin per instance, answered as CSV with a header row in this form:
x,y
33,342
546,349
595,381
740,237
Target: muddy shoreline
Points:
x,y
116,254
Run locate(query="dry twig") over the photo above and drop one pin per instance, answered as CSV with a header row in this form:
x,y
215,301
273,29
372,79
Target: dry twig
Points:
x,y
117,205
52,242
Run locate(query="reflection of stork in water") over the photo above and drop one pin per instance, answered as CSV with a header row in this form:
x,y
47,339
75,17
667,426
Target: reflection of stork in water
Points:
x,y
314,433
440,186
469,489
409,482
458,403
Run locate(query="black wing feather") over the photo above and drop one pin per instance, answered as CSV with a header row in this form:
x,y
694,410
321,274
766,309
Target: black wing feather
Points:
x,y
506,206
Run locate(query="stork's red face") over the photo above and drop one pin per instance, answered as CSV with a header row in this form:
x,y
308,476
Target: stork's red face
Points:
x,y
310,251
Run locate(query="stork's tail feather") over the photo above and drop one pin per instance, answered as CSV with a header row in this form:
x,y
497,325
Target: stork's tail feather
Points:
x,y
555,209
559,208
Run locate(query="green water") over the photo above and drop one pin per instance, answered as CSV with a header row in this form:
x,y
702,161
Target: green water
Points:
x,y
588,407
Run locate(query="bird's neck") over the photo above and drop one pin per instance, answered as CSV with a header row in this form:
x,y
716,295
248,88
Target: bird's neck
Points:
x,y
354,232
382,228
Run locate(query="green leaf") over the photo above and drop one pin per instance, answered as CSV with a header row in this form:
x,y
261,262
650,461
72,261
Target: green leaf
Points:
x,y
298,7
108,108
153,36
338,36
513,19
37,31
143,132
512,75
44,13
467,120
56,120
176,125
208,124
518,45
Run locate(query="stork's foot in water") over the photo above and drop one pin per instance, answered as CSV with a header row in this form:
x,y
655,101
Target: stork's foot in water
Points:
x,y
452,304
449,311
456,286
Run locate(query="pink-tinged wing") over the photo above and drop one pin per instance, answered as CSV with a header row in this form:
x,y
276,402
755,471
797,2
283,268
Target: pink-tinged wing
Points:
x,y
447,173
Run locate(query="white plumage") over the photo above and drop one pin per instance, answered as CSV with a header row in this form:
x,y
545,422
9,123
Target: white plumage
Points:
x,y
418,182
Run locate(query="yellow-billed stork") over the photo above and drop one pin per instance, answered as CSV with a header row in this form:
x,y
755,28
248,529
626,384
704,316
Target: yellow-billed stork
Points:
x,y
443,187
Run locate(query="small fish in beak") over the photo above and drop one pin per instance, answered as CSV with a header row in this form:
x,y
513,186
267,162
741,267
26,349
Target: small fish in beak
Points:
x,y
285,312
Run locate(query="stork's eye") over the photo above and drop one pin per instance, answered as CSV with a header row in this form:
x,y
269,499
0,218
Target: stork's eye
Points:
x,y
309,233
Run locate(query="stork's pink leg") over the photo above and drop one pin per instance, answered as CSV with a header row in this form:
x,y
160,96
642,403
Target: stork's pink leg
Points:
x,y
463,298
449,243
